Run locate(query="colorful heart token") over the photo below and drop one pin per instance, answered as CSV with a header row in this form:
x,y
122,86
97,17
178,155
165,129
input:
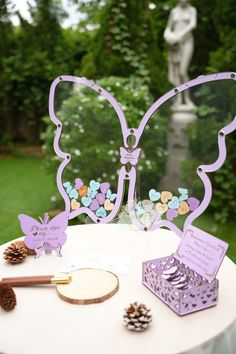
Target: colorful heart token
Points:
x,y
183,208
165,196
171,214
174,203
78,183
161,208
73,194
91,193
101,212
94,185
104,187
94,205
86,201
74,204
154,195
108,205
66,184
83,191
100,198
193,203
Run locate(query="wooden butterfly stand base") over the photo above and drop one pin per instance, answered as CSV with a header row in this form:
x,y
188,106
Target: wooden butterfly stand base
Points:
x,y
89,286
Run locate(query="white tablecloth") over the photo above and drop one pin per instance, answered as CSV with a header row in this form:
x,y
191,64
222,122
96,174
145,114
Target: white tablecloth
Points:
x,y
43,323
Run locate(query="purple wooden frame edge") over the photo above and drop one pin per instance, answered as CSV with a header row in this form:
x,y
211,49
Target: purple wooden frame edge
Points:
x,y
131,175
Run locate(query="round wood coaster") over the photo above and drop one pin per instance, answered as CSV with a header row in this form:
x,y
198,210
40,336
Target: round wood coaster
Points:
x,y
89,286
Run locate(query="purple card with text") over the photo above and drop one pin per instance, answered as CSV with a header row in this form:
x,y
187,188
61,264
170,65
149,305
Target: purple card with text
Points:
x,y
46,235
201,252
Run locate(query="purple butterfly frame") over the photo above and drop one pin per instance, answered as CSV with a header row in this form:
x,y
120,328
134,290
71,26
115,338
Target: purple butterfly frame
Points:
x,y
131,154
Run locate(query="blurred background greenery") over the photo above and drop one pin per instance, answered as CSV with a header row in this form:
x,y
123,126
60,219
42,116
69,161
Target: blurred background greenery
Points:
x,y
120,45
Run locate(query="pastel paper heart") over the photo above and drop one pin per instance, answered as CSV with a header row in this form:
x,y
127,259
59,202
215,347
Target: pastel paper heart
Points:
x,y
110,195
104,187
73,194
183,208
78,183
91,193
174,203
94,185
165,196
161,208
100,198
74,204
94,205
108,205
86,201
154,195
171,214
193,203
66,184
101,212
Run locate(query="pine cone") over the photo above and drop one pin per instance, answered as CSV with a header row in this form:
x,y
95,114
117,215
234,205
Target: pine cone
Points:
x,y
7,298
15,254
29,251
137,317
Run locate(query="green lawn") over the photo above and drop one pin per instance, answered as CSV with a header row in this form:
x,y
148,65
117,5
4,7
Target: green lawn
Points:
x,y
25,187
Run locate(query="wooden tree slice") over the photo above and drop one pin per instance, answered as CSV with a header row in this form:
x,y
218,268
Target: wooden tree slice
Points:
x,y
89,286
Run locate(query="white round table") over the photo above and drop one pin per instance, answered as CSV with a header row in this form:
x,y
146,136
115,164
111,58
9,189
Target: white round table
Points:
x,y
43,323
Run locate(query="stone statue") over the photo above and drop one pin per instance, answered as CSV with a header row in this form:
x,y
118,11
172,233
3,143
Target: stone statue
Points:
x,y
178,35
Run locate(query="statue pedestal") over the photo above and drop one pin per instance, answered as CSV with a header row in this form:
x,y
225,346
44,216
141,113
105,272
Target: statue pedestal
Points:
x,y
184,113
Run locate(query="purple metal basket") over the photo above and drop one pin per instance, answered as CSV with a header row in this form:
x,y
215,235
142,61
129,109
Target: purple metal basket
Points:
x,y
199,295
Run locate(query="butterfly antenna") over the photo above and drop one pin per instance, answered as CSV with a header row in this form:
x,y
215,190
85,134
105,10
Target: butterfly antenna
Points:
x,y
46,217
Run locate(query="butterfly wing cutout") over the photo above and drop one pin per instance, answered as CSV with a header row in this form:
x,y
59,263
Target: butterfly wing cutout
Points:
x,y
34,234
83,195
56,229
137,133
182,200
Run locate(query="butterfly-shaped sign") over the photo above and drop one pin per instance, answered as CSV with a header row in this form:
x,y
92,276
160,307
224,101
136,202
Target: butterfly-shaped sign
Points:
x,y
96,198
45,235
